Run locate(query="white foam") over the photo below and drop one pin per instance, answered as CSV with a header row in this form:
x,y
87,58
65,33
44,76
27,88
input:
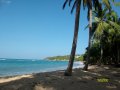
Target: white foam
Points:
x,y
2,59
78,64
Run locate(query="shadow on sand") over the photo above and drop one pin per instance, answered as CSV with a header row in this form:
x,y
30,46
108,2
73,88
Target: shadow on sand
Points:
x,y
80,80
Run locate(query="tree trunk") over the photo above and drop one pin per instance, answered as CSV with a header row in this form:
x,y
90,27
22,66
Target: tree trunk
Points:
x,y
101,56
68,72
89,41
118,51
118,56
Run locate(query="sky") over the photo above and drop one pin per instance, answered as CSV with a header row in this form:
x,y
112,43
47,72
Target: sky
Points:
x,y
39,29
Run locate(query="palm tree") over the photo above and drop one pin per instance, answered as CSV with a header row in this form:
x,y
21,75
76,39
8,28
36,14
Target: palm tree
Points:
x,y
98,7
107,22
90,28
77,4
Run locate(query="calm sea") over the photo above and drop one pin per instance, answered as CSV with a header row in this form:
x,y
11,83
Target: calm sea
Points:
x,y
10,67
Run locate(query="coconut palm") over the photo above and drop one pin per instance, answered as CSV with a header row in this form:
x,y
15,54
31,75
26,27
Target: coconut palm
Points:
x,y
77,4
98,7
108,22
89,4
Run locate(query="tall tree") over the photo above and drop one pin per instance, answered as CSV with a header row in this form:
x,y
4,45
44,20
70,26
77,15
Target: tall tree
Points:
x,y
98,7
96,4
108,33
89,4
77,5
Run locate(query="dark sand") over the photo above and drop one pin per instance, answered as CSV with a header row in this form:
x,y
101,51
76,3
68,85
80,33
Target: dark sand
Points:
x,y
96,78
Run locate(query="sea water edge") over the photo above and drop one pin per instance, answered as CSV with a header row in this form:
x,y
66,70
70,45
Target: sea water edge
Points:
x,y
48,66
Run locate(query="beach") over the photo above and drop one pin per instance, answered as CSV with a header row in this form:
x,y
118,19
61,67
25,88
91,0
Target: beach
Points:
x,y
96,78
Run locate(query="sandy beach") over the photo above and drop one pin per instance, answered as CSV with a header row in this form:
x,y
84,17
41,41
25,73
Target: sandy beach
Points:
x,y
96,78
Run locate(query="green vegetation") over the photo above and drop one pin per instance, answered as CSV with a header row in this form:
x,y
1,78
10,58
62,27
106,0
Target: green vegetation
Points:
x,y
105,45
104,33
66,57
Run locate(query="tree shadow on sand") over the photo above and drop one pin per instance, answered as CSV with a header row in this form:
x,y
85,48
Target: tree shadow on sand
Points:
x,y
80,80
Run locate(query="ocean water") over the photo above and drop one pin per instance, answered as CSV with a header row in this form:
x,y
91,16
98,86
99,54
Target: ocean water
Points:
x,y
11,67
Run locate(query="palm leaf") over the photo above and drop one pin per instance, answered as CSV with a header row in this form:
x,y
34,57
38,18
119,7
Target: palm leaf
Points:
x,y
117,26
70,2
73,7
117,4
65,3
87,27
106,3
97,19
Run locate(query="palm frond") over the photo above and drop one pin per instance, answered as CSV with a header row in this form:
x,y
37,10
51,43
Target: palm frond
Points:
x,y
73,7
97,19
106,3
117,26
117,4
65,3
99,29
70,2
86,27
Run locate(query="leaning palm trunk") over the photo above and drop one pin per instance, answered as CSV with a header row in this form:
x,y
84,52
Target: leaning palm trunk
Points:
x,y
68,72
89,41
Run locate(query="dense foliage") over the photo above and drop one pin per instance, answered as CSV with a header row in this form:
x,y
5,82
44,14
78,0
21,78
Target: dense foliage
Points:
x,y
104,33
105,41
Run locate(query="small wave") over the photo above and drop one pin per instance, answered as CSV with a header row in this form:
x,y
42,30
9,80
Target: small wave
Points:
x,y
78,64
2,59
34,60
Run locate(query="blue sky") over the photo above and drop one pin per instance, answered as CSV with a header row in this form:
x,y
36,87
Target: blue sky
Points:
x,y
38,29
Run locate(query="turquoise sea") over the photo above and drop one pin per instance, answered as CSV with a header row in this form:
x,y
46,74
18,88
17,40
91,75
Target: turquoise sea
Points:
x,y
10,67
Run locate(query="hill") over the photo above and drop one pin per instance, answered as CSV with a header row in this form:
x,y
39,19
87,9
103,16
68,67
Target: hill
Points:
x,y
65,57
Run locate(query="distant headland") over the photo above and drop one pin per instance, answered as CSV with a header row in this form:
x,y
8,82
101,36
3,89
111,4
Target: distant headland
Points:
x,y
65,57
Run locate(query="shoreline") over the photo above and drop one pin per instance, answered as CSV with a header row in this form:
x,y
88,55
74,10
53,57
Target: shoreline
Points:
x,y
55,80
16,77
78,63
